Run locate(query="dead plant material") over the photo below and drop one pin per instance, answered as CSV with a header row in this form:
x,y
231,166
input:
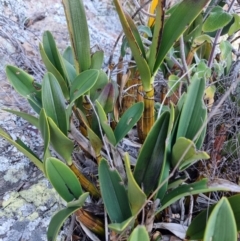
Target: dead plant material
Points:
x,y
35,18
220,138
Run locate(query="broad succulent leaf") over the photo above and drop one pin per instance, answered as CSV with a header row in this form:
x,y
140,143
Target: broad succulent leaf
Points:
x,y
113,193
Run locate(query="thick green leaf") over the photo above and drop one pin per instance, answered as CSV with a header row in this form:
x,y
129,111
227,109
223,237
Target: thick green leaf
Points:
x,y
185,150
52,69
235,26
104,123
218,18
221,225
120,227
151,157
139,234
135,48
54,102
96,90
45,131
59,218
78,31
113,193
71,72
68,55
196,229
35,103
79,202
135,33
28,154
182,18
53,54
164,174
60,142
157,34
21,81
194,111
136,196
63,179
97,60
201,186
30,118
83,83
128,120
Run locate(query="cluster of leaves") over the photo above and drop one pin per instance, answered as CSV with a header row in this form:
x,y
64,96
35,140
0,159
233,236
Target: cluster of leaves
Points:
x,y
75,86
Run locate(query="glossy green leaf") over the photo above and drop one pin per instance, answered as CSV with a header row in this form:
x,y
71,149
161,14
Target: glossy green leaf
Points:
x,y
71,72
177,182
79,202
135,48
151,157
198,225
83,83
182,18
201,186
120,227
79,35
194,111
53,54
139,234
60,142
68,55
218,18
135,33
97,88
52,69
104,123
136,196
21,81
54,102
128,120
30,118
185,150
45,131
164,174
235,26
157,34
221,225
114,193
35,103
28,154
59,218
63,179
97,60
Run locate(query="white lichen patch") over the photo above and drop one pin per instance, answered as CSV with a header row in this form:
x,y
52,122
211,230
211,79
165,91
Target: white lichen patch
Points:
x,y
6,225
15,175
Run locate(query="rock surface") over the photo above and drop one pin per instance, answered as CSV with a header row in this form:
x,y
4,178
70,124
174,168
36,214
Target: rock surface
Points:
x,y
27,199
